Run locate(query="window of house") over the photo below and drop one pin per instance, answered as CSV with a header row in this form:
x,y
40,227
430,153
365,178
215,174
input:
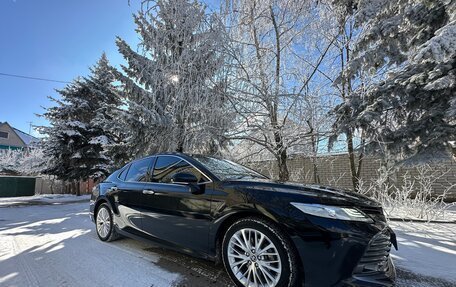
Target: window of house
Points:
x,y
139,170
4,135
167,166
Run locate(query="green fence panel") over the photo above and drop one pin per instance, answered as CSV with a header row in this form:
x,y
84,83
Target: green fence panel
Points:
x,y
17,186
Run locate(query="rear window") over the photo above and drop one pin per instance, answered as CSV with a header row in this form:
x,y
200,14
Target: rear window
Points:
x,y
168,166
123,173
139,171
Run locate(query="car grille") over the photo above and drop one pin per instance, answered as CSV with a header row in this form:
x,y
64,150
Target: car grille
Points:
x,y
375,257
375,264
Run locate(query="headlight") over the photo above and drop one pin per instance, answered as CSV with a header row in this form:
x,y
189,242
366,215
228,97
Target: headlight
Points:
x,y
334,212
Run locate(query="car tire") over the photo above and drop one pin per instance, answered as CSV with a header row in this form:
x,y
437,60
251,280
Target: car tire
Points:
x,y
104,224
271,260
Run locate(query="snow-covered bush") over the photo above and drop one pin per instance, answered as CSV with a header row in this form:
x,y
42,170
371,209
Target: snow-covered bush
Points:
x,y
9,160
411,196
22,162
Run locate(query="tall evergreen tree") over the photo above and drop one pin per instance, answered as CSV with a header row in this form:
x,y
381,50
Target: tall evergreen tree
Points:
x,y
409,107
110,129
77,140
68,142
173,87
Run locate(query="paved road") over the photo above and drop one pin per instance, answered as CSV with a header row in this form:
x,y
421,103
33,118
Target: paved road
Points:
x,y
56,245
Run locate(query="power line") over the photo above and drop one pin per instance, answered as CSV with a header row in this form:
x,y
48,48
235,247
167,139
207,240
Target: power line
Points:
x,y
33,78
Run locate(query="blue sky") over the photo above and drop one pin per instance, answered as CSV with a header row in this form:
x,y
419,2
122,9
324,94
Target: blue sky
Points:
x,y
58,40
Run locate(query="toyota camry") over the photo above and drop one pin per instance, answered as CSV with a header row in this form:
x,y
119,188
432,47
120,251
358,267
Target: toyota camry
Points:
x,y
264,232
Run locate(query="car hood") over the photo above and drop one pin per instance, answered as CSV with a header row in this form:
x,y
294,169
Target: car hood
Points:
x,y
309,193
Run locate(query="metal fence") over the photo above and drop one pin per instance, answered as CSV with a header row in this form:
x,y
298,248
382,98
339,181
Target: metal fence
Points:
x,y
11,186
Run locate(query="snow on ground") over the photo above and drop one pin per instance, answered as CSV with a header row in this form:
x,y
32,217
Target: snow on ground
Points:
x,y
56,245
42,199
428,249
51,245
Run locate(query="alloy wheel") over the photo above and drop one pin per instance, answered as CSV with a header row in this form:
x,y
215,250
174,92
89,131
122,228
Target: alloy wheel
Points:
x,y
254,259
103,222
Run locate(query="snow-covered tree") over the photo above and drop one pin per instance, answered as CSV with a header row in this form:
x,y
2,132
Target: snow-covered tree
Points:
x,y
409,49
84,139
174,87
10,161
30,161
278,50
108,118
69,138
344,22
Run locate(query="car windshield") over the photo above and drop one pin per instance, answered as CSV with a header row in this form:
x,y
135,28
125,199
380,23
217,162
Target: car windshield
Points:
x,y
225,169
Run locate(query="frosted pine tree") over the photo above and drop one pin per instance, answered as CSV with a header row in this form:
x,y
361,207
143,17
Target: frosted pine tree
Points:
x,y
409,48
109,129
173,86
69,141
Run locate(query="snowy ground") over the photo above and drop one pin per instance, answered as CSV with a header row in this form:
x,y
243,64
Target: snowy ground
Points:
x,y
428,249
42,199
56,245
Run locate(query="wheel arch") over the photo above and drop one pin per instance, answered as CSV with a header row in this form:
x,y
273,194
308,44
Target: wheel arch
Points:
x,y
224,226
227,220
99,202
232,218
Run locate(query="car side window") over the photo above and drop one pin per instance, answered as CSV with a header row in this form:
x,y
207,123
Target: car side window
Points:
x,y
139,170
123,173
167,166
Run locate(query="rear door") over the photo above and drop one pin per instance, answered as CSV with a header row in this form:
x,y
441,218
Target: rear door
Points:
x,y
171,212
130,193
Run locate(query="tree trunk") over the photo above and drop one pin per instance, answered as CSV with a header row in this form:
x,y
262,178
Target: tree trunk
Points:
x,y
351,156
284,175
180,136
316,176
180,146
78,188
346,91
51,183
313,141
360,161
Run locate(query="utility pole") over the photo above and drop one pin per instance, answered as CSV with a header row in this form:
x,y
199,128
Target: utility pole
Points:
x,y
30,127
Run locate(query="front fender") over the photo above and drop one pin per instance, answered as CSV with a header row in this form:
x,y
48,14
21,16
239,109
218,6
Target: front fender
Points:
x,y
227,215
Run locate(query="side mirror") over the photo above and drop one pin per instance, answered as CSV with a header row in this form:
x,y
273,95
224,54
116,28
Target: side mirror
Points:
x,y
190,180
184,177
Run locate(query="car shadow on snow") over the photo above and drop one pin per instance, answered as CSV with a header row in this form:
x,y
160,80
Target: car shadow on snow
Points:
x,y
195,272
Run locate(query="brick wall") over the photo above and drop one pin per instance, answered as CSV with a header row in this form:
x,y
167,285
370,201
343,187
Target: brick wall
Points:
x,y
334,170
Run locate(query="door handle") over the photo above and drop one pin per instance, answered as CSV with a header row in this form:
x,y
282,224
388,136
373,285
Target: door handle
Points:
x,y
148,191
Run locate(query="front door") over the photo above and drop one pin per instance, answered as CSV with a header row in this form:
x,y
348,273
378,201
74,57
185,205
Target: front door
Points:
x,y
171,213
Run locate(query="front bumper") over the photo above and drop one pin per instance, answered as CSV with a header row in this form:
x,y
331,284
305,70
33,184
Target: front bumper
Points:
x,y
375,268
343,253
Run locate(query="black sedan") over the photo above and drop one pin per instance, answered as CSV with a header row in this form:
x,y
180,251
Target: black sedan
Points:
x,y
266,233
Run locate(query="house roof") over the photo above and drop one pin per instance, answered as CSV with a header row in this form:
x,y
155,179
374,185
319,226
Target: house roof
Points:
x,y
28,139
25,137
